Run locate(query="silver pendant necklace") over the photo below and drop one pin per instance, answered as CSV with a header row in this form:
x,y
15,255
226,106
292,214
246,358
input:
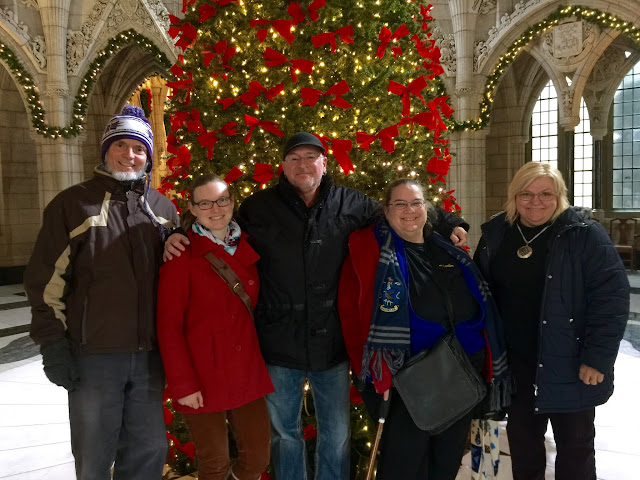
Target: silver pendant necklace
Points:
x,y
526,251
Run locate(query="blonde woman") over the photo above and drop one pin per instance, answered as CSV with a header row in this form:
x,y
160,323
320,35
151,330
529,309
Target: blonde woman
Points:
x,y
563,294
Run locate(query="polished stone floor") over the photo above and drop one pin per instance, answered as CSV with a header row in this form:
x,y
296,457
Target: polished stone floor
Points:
x,y
34,425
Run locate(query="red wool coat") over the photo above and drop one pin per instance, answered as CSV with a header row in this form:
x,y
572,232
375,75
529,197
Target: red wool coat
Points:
x,y
207,338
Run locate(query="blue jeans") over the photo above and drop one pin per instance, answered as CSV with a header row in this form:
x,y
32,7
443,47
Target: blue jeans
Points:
x,y
115,414
330,389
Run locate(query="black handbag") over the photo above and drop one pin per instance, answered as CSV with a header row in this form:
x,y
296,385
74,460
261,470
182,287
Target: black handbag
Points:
x,y
439,386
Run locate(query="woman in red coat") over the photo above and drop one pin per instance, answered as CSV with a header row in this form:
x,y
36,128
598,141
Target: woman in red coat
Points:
x,y
208,339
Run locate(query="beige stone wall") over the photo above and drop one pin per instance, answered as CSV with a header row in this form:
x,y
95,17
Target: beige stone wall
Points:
x,y
19,199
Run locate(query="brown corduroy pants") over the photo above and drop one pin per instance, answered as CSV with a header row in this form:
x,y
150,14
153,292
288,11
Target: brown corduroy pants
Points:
x,y
251,430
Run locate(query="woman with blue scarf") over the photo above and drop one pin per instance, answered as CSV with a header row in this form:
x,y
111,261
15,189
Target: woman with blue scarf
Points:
x,y
215,371
392,306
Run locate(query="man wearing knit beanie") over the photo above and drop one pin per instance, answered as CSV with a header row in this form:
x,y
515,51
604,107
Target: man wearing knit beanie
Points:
x,y
91,283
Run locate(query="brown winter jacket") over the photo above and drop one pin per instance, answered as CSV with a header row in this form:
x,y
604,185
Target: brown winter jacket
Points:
x,y
93,274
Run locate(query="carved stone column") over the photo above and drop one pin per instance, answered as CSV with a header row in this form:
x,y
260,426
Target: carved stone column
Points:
x,y
59,159
464,20
59,166
468,177
55,17
159,95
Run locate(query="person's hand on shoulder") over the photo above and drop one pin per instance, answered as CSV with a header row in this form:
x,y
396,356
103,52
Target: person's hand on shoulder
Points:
x,y
174,246
458,237
193,401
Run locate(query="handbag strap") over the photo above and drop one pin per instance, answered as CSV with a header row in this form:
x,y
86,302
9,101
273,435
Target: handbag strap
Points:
x,y
229,276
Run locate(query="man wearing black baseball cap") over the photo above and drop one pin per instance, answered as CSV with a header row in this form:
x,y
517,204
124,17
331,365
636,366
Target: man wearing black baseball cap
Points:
x,y
300,228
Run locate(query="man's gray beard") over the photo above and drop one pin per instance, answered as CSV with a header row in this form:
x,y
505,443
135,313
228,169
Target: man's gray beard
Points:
x,y
125,176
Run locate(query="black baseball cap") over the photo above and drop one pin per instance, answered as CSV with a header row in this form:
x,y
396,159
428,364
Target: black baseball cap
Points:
x,y
302,138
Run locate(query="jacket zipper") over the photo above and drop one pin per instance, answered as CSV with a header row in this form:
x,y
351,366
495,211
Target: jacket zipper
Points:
x,y
542,309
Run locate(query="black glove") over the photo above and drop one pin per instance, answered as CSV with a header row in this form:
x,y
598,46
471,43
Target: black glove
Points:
x,y
59,365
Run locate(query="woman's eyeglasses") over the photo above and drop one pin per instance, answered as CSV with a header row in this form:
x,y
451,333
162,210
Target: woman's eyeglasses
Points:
x,y
542,196
208,204
401,204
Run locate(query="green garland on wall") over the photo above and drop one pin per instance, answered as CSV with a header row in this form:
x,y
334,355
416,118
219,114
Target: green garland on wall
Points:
x,y
597,17
82,98
602,19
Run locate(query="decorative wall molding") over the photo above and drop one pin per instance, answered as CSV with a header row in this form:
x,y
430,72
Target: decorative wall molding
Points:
x,y
150,15
79,41
568,43
57,91
30,4
447,45
12,19
484,6
480,52
38,49
601,20
520,9
607,67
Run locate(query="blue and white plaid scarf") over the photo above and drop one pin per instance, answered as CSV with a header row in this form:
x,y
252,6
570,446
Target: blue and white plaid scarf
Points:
x,y
389,337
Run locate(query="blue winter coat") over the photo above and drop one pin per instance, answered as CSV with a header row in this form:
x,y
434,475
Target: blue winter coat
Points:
x,y
585,308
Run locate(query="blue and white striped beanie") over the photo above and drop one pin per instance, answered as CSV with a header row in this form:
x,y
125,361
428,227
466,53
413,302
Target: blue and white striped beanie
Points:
x,y
130,124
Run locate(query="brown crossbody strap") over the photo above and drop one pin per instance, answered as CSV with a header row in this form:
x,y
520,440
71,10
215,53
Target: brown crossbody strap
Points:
x,y
229,276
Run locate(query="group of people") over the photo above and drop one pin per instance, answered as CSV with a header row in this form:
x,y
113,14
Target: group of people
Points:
x,y
293,288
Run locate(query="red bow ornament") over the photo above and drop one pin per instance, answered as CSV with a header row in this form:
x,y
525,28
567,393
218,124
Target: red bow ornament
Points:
x,y
345,33
283,27
249,97
179,163
310,96
439,167
385,136
295,10
168,414
187,32
448,202
309,432
426,119
444,108
269,126
274,58
340,150
234,174
185,84
176,68
262,173
185,3
385,38
414,88
177,119
206,11
193,122
426,16
188,448
209,139
222,51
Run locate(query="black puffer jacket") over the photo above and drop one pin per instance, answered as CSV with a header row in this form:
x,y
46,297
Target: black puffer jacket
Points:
x,y
301,254
585,307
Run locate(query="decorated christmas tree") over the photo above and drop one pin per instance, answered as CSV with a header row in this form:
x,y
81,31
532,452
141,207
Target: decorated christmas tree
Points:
x,y
361,75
